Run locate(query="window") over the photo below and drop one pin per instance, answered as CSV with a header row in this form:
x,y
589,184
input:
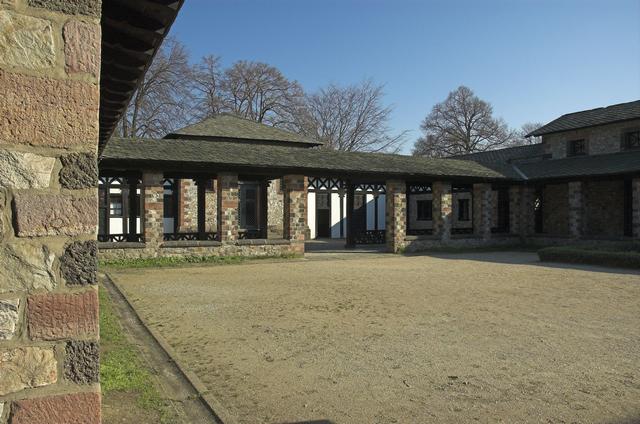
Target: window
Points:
x,y
425,210
169,199
464,210
577,148
115,205
249,206
631,140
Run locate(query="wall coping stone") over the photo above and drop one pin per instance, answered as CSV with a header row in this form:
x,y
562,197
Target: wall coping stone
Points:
x,y
120,245
190,243
262,242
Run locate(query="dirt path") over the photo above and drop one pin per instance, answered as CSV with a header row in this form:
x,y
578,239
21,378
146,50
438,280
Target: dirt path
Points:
x,y
176,391
491,337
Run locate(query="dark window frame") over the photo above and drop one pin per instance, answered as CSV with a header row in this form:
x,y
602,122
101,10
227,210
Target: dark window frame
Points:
x,y
464,212
424,210
626,139
572,144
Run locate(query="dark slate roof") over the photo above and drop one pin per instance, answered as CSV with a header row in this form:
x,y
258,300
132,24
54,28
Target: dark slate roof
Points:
x,y
506,154
228,127
583,166
502,160
132,32
190,154
591,118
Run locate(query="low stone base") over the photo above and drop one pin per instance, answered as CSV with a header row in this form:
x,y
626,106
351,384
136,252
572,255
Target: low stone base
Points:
x,y
247,248
419,243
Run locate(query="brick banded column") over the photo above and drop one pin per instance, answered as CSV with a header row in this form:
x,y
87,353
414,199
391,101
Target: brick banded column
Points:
x,y
576,209
396,214
49,101
442,210
482,210
295,210
515,209
635,207
153,209
228,207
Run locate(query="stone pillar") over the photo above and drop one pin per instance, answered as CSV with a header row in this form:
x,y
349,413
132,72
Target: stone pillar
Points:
x,y
515,209
576,209
527,211
187,205
228,207
153,192
482,210
442,210
396,215
295,210
635,207
49,85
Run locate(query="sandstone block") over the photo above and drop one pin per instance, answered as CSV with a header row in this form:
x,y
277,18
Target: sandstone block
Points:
x,y
26,268
26,367
82,362
76,7
25,170
63,315
54,214
48,112
79,170
82,47
26,41
79,263
8,318
77,408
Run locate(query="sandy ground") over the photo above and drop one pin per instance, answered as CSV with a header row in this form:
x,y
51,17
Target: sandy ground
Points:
x,y
492,337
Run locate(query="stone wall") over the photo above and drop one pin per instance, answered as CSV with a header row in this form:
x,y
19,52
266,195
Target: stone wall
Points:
x,y
604,208
248,248
601,139
211,207
275,211
49,70
555,209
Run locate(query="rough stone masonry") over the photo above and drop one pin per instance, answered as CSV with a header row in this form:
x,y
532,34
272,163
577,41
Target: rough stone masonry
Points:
x,y
49,80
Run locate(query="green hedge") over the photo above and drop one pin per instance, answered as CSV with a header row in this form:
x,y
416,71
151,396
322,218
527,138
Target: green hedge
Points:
x,y
623,258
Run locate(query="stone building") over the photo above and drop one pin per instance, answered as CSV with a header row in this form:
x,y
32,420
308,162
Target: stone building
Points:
x,y
67,71
579,184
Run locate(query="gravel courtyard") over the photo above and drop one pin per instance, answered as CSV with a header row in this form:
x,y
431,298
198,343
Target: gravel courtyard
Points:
x,y
490,337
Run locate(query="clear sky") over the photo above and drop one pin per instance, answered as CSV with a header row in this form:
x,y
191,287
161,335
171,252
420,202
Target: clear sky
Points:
x,y
533,60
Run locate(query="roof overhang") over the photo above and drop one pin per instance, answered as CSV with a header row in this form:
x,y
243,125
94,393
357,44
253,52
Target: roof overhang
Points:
x,y
132,32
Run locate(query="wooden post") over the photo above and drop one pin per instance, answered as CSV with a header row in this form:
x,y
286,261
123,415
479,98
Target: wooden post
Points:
x,y
201,184
351,240
133,188
264,209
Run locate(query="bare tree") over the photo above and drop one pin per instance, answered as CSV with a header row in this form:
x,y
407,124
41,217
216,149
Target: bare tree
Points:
x,y
260,92
528,128
162,102
463,123
207,87
351,118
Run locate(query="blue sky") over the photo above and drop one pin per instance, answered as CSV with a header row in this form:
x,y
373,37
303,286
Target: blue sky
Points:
x,y
533,60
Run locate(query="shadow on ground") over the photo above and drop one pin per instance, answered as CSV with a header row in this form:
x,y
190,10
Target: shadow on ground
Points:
x,y
523,258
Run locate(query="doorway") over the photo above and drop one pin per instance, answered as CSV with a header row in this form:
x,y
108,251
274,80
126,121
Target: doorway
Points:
x,y
323,215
